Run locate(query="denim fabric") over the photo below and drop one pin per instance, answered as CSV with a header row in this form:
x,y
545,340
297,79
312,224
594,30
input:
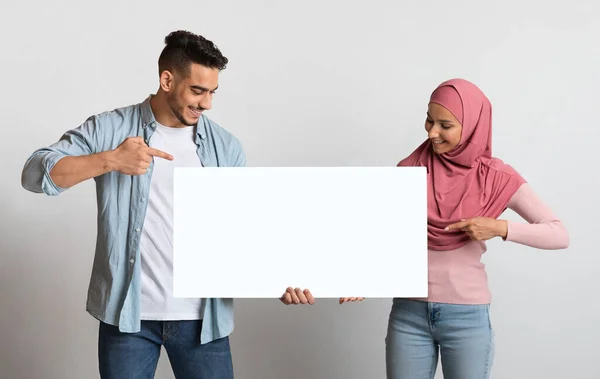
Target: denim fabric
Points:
x,y
135,355
419,332
114,289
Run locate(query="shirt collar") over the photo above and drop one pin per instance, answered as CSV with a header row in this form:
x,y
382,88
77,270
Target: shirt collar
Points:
x,y
148,120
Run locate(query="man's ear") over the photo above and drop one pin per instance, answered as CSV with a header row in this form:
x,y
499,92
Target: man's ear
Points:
x,y
167,81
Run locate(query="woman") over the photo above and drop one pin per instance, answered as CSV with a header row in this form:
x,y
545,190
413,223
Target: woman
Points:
x,y
468,190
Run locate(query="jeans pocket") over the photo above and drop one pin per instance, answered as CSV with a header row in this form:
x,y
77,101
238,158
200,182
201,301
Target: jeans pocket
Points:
x,y
489,318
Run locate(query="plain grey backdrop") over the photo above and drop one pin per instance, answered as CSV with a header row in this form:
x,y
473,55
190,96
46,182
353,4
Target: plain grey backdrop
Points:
x,y
311,83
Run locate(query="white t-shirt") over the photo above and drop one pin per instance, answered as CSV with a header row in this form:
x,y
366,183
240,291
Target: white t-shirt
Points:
x,y
156,243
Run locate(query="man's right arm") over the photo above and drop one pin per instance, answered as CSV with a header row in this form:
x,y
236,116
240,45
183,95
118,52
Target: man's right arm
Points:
x,y
38,173
70,171
76,158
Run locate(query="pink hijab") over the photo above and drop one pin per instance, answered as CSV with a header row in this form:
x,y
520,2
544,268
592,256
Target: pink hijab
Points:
x,y
467,181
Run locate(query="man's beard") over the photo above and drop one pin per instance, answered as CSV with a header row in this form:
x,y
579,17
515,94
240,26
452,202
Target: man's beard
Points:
x,y
174,106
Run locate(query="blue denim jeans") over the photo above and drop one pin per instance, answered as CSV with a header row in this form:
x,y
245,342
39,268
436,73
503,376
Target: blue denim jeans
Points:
x,y
135,355
419,332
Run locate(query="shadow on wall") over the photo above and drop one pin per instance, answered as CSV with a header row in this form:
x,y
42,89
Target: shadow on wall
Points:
x,y
272,340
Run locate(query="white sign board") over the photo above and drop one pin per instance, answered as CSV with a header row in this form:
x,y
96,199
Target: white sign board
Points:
x,y
340,232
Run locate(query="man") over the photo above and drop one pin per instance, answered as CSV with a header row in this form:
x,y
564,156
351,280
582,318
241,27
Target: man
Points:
x,y
130,153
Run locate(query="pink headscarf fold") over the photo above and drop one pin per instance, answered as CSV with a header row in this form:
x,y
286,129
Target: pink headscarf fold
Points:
x,y
467,181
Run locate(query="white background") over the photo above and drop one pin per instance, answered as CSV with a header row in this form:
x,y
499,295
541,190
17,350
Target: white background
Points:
x,y
311,83
367,219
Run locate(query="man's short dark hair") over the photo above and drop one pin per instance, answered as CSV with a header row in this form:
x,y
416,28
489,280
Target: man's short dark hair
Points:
x,y
184,48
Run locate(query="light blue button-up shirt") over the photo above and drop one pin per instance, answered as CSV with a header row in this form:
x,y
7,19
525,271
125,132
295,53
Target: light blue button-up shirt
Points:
x,y
114,289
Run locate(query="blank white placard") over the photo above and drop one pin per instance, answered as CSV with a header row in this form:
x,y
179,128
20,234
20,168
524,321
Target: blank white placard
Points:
x,y
250,232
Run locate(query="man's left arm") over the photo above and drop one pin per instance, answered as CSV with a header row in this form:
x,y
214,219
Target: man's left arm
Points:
x,y
238,155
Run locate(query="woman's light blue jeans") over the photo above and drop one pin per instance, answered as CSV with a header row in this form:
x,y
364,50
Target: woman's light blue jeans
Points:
x,y
419,332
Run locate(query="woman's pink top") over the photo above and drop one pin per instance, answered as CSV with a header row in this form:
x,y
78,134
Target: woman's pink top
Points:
x,y
458,276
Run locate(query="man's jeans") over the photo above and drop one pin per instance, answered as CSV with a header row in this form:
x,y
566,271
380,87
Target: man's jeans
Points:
x,y
135,355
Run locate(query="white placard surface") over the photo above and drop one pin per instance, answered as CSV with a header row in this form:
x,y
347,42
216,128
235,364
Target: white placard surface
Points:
x,y
251,232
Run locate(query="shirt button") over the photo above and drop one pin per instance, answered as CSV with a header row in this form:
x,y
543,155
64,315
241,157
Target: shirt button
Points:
x,y
143,199
137,230
132,260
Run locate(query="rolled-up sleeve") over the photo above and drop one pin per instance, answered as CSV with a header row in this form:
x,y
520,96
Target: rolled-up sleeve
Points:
x,y
82,140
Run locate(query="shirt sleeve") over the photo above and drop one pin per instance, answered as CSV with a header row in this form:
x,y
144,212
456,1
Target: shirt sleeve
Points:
x,y
237,153
543,229
82,140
